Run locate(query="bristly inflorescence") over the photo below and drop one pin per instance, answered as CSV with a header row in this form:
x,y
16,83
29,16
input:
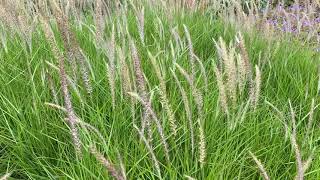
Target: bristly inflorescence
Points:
x,y
234,74
114,172
64,84
72,47
169,125
163,95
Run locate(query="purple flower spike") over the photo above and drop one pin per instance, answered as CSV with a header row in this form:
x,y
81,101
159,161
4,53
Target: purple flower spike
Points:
x,y
296,7
306,23
317,20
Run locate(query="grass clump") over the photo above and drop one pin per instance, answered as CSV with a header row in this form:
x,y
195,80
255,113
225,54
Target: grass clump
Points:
x,y
149,92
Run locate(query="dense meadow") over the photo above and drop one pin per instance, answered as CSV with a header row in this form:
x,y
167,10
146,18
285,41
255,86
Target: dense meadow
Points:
x,y
148,90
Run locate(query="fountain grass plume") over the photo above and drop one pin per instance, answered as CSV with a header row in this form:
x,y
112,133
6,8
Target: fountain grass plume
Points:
x,y
52,88
111,67
199,105
191,53
126,83
72,46
295,146
153,115
141,85
222,92
310,121
163,94
202,145
99,21
140,24
262,169
227,59
244,54
257,87
242,74
64,86
106,163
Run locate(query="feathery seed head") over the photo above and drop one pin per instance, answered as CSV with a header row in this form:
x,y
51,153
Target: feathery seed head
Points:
x,y
163,95
202,145
257,87
106,163
150,111
260,166
140,23
221,87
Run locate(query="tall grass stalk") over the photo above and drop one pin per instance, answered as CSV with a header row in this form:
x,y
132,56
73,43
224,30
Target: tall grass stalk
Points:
x,y
64,85
260,166
199,104
222,92
163,94
141,85
140,24
191,53
187,108
72,46
153,156
107,164
295,146
52,88
228,60
153,115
